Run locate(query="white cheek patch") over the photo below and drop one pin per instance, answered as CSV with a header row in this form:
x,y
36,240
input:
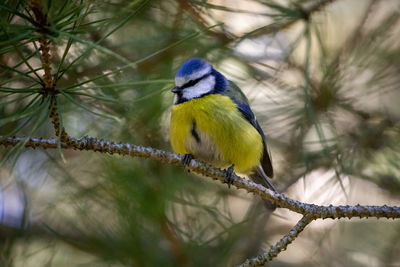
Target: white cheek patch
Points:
x,y
179,81
175,99
202,87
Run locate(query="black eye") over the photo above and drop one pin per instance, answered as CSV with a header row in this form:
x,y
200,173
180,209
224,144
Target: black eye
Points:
x,y
193,82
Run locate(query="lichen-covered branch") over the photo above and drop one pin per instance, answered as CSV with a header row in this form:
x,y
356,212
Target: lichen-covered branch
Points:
x,y
281,245
312,211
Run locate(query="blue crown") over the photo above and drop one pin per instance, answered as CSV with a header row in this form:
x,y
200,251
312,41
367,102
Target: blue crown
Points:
x,y
191,66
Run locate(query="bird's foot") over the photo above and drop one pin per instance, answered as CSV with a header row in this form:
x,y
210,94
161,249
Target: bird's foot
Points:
x,y
187,158
229,176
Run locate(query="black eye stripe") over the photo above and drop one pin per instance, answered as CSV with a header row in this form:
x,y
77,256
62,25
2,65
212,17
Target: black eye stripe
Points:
x,y
194,82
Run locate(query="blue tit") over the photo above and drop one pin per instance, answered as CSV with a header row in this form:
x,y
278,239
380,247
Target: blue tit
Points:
x,y
211,120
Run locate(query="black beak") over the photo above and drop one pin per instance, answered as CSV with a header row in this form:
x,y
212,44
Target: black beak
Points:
x,y
175,89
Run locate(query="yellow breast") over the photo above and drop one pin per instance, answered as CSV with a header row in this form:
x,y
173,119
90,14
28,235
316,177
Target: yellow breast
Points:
x,y
224,138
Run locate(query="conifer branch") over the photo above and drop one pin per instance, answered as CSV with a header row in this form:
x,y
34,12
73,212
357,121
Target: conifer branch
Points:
x,y
55,119
44,42
49,87
310,210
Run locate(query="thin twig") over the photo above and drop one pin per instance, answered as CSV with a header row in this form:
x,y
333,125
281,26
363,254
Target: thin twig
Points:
x,y
281,245
55,119
314,211
44,42
49,87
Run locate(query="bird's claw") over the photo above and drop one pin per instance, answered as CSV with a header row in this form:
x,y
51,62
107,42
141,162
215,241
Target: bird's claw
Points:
x,y
229,176
187,158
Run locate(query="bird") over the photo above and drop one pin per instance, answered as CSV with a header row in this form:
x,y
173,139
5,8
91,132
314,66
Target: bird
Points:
x,y
211,120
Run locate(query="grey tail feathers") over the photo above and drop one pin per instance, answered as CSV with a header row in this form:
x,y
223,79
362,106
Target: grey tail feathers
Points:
x,y
261,178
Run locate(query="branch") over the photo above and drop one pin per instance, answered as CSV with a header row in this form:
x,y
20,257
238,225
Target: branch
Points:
x,y
49,86
41,21
281,245
55,119
311,210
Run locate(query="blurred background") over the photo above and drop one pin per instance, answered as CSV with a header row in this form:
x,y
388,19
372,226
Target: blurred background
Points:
x,y
321,76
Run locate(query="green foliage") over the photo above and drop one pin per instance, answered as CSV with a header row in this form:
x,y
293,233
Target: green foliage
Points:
x,y
322,77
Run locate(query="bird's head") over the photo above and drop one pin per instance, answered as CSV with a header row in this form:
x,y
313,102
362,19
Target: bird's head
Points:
x,y
197,78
